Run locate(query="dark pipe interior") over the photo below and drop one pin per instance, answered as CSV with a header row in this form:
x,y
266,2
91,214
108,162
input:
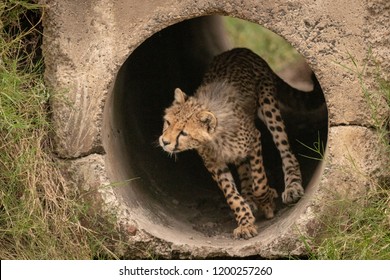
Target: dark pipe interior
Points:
x,y
179,187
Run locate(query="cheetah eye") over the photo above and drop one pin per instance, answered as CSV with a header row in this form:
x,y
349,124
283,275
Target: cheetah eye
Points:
x,y
166,124
183,133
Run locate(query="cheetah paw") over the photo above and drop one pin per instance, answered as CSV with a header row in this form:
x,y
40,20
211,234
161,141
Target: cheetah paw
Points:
x,y
246,232
252,205
292,193
268,210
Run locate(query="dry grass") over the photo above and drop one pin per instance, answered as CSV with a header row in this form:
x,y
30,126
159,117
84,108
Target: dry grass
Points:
x,y
39,213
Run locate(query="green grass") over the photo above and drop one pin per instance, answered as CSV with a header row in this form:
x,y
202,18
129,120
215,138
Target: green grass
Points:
x,y
278,53
356,230
40,214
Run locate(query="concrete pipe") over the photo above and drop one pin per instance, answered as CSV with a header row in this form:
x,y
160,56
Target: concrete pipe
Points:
x,y
116,64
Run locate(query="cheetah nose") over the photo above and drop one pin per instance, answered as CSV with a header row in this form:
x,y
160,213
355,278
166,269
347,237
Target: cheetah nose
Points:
x,y
164,142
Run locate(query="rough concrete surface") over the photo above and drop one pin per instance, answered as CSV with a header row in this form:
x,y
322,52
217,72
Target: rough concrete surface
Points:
x,y
114,65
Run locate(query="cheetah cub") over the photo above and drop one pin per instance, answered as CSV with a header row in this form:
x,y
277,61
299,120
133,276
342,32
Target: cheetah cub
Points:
x,y
219,123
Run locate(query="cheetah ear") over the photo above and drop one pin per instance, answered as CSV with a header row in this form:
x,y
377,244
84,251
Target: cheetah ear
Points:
x,y
208,119
180,96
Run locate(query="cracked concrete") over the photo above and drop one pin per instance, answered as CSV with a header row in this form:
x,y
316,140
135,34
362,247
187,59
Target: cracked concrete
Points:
x,y
113,66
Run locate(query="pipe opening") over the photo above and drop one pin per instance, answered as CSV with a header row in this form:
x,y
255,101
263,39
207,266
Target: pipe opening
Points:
x,y
176,198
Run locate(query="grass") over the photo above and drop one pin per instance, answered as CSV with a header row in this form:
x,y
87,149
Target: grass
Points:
x,y
40,214
355,230
278,53
317,149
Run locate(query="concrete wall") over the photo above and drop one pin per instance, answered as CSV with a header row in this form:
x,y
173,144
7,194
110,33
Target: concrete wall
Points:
x,y
114,65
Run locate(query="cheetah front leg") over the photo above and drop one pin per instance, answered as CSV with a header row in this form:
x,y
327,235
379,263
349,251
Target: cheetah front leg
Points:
x,y
270,114
242,212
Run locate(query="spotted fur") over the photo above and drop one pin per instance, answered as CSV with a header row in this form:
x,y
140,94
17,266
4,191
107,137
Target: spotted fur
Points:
x,y
219,123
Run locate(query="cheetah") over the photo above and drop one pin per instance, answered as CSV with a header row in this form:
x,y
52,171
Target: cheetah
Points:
x,y
218,121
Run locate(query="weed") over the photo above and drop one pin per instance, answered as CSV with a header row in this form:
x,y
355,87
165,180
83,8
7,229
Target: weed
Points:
x,y
318,149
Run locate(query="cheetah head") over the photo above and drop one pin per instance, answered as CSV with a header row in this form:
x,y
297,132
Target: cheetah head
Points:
x,y
186,124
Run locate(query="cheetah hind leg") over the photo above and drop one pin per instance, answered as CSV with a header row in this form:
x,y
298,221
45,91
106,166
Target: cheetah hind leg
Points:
x,y
270,114
292,193
263,194
268,208
246,181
